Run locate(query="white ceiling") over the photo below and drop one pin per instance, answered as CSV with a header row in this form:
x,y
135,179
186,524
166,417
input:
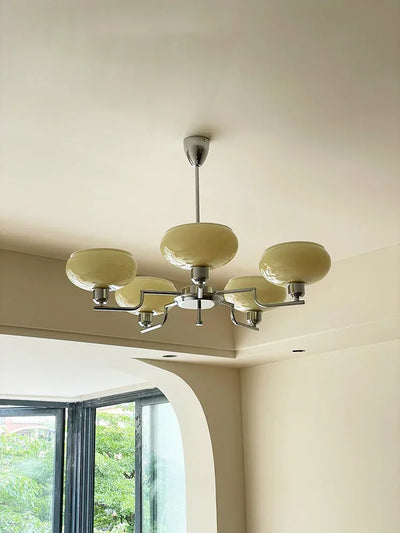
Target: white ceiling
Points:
x,y
62,370
300,99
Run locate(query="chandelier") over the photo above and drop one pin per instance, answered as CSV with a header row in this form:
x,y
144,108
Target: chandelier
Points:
x,y
199,247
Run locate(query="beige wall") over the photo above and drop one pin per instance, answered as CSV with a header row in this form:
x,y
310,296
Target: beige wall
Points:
x,y
321,432
322,442
36,299
358,303
218,391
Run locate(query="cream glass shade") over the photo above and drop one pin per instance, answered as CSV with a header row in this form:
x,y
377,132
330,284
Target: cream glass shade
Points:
x,y
101,268
266,293
199,244
129,296
297,261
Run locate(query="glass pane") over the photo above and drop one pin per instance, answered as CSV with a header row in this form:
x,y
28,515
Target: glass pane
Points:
x,y
163,486
27,451
114,486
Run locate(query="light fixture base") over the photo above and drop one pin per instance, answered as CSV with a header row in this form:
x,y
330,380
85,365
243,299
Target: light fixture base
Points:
x,y
296,290
145,319
200,275
100,295
196,149
254,317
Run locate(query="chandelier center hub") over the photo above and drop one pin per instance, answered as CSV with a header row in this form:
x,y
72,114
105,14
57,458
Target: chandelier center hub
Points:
x,y
193,297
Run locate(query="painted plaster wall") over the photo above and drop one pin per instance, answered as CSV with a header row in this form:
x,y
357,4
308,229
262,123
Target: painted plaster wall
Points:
x,y
358,303
218,391
37,299
321,433
322,441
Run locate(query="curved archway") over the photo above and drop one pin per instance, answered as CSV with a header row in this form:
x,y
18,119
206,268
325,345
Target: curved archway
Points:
x,y
50,369
201,513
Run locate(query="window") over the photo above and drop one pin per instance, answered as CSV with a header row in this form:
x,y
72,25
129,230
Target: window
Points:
x,y
31,450
123,466
114,468
163,491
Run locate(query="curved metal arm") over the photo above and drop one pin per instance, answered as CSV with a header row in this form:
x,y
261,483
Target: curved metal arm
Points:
x,y
164,319
234,319
142,295
235,291
279,304
260,304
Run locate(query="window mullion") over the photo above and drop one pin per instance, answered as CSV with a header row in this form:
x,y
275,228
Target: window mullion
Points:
x,y
59,470
138,467
88,453
80,469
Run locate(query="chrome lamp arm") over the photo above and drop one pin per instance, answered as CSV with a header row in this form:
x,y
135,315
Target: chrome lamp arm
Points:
x,y
234,319
163,321
141,301
253,318
260,304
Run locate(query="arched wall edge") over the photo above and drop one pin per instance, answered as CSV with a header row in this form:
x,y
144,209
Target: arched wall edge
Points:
x,y
218,404
201,509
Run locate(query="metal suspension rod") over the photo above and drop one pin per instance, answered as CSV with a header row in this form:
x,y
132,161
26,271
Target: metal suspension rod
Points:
x,y
196,150
199,321
197,192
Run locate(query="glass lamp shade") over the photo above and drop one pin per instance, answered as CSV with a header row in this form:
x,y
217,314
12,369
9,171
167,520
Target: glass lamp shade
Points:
x,y
129,296
266,293
199,244
101,268
297,261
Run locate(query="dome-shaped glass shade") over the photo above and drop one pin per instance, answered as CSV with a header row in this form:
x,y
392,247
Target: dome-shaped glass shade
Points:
x,y
199,244
298,261
129,296
101,268
266,292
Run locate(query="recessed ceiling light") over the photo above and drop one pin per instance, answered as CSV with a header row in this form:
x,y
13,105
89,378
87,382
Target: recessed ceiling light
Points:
x,y
298,351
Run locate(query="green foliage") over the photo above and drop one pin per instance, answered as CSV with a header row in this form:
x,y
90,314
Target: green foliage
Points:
x,y
114,506
26,483
27,470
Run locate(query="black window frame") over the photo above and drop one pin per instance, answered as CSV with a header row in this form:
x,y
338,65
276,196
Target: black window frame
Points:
x,y
78,482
